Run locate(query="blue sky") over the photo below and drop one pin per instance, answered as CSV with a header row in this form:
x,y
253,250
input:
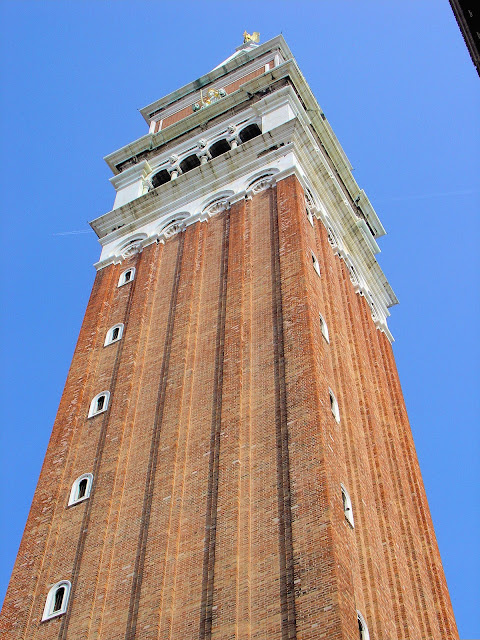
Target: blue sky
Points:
x,y
399,89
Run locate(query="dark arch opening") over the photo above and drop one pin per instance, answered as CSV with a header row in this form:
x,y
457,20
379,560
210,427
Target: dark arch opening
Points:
x,y
160,178
250,132
59,595
82,488
189,163
219,147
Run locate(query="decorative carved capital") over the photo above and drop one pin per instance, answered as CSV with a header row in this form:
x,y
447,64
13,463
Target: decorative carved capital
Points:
x,y
147,185
171,229
217,207
263,183
332,240
309,201
132,249
354,279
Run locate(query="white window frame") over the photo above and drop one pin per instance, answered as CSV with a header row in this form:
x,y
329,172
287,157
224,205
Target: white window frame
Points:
x,y
92,411
316,264
324,328
48,612
365,635
334,405
347,506
122,281
109,337
73,499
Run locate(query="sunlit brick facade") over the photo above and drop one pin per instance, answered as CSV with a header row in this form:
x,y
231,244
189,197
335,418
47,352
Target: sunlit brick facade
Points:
x,y
235,462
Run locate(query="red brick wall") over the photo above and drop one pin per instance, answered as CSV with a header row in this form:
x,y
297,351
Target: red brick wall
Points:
x,y
216,509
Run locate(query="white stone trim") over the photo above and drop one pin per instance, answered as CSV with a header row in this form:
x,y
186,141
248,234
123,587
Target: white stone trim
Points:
x,y
92,412
369,239
289,167
73,499
195,210
137,180
130,175
285,150
48,612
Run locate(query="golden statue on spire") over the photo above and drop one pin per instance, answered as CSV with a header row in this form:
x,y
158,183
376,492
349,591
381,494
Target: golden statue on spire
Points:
x,y
254,37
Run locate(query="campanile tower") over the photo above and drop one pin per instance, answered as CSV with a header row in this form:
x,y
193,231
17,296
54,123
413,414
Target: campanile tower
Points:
x,y
231,458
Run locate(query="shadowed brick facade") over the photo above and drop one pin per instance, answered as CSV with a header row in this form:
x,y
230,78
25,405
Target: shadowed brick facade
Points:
x,y
216,506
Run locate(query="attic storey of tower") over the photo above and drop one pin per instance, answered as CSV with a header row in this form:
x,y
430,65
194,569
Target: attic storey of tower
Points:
x,y
252,117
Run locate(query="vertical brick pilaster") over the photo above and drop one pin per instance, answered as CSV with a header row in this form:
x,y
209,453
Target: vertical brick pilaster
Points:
x,y
216,511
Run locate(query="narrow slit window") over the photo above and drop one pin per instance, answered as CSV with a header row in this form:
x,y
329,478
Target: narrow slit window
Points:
x,y
324,328
59,596
82,488
99,404
309,216
126,277
347,506
362,627
57,600
334,406
316,264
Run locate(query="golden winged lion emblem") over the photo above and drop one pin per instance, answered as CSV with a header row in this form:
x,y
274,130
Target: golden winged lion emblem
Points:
x,y
254,37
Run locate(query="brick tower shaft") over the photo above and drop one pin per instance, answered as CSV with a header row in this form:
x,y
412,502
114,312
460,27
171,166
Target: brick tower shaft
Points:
x,y
232,458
